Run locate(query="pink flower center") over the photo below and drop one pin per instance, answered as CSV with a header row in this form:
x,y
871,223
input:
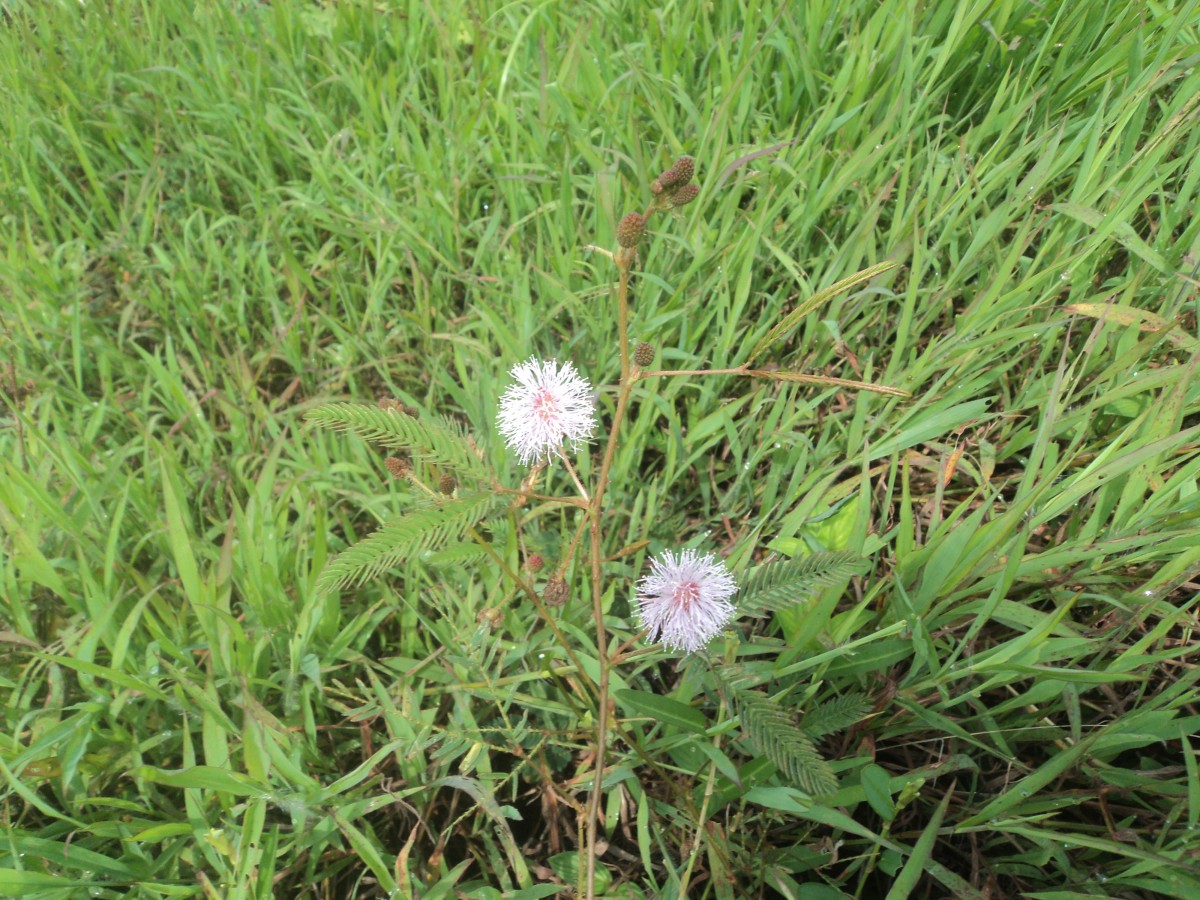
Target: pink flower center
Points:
x,y
545,405
686,593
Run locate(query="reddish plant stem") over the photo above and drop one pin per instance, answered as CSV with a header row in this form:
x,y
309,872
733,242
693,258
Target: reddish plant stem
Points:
x,y
623,260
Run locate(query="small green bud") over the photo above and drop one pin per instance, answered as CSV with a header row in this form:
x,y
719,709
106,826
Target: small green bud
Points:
x,y
643,354
630,230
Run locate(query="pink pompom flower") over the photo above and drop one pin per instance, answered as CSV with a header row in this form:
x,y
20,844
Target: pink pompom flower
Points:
x,y
548,404
685,599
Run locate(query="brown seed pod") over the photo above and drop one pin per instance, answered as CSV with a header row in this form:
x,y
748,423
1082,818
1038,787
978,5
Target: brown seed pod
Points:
x,y
556,591
643,354
446,484
685,195
630,230
684,169
397,466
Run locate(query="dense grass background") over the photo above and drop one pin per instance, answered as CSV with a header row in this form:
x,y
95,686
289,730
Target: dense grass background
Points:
x,y
215,216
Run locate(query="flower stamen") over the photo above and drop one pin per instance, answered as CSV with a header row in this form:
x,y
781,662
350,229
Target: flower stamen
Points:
x,y
684,601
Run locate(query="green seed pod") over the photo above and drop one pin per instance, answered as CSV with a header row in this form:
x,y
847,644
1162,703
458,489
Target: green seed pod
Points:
x,y
643,354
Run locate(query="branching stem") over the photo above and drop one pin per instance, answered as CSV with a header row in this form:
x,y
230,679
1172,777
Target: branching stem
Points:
x,y
574,477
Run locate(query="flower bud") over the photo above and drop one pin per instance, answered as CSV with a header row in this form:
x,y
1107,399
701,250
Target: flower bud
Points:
x,y
630,230
446,484
643,354
668,179
685,195
397,466
534,562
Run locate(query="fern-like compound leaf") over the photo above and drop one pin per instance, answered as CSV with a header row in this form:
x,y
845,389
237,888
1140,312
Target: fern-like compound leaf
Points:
x,y
426,438
422,529
770,729
836,714
776,585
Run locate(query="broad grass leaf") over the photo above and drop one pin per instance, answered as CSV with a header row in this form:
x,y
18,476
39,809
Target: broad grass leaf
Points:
x,y
664,709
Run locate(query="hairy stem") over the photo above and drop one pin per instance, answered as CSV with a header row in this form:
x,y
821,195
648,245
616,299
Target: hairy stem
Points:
x,y
623,260
738,370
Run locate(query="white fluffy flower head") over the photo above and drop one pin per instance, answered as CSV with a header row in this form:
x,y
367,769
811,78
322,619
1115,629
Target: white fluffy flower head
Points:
x,y
685,599
548,404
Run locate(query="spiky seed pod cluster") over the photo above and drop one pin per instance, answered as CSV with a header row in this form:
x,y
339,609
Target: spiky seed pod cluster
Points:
x,y
630,230
643,354
556,591
673,187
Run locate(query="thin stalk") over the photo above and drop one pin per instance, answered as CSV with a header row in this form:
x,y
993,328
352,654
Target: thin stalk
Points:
x,y
548,498
623,260
529,592
701,819
574,477
739,370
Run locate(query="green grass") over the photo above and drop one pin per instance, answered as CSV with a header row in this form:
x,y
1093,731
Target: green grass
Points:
x,y
215,217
